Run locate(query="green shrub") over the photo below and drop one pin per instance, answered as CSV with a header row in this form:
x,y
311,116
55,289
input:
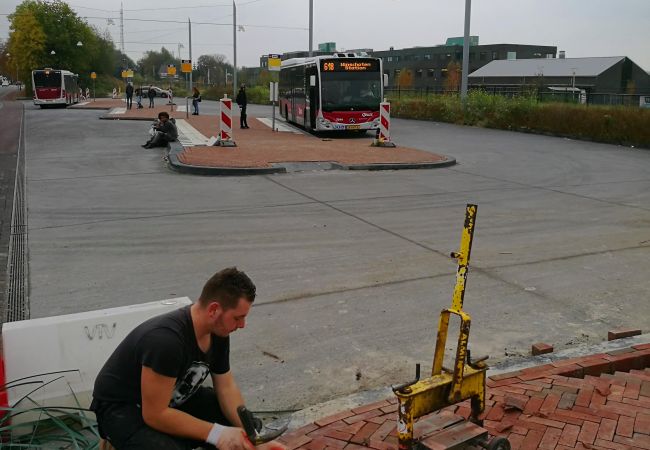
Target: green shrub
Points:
x,y
609,124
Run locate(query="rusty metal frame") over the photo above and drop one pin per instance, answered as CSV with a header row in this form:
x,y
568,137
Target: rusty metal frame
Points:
x,y
446,387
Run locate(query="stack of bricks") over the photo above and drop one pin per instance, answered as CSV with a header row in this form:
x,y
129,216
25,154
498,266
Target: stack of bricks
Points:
x,y
594,402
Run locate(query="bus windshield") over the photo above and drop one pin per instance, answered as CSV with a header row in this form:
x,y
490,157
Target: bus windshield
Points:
x,y
51,79
342,91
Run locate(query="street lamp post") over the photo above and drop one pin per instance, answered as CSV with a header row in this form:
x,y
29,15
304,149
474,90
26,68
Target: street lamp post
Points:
x,y
465,73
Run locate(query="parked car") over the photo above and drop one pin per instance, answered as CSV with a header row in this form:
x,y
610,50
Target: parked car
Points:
x,y
159,92
5,82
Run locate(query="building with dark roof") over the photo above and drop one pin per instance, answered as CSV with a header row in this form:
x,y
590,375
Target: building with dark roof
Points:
x,y
603,75
428,67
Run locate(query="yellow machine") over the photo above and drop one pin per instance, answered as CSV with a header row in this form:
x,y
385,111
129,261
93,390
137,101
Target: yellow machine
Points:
x,y
448,387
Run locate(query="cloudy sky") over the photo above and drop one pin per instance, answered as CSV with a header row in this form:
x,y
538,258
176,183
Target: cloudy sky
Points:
x,y
580,27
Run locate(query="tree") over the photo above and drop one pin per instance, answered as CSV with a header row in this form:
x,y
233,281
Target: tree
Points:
x,y
26,43
38,28
152,60
452,82
405,79
216,65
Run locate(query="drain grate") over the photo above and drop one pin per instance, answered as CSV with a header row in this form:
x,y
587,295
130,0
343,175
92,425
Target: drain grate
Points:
x,y
17,306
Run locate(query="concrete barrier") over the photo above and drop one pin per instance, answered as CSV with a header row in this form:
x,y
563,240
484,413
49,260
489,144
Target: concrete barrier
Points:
x,y
62,355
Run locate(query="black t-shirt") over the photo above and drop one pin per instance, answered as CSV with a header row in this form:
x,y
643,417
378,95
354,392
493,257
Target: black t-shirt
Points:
x,y
167,344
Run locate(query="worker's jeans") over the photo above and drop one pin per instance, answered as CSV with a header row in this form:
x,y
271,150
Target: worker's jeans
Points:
x,y
122,424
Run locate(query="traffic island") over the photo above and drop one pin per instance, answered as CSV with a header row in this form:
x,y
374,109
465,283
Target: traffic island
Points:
x,y
260,151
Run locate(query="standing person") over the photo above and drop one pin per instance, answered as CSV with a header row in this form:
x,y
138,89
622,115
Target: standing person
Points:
x,y
129,95
196,98
242,101
151,93
149,396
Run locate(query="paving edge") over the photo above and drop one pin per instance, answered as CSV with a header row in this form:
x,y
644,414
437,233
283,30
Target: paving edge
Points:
x,y
117,117
358,399
176,164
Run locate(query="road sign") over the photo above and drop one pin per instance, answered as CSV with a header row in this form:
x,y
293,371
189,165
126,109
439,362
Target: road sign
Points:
x,y
186,65
171,69
274,63
93,75
273,91
128,73
124,75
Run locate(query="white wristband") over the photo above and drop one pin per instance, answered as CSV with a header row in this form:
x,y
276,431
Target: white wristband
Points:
x,y
213,435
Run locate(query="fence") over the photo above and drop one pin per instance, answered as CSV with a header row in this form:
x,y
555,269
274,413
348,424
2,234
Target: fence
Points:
x,y
592,98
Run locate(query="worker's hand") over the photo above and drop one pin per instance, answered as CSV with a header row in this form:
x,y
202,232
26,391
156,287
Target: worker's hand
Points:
x,y
233,438
271,445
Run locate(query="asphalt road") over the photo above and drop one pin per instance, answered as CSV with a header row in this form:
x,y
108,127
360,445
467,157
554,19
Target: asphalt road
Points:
x,y
351,267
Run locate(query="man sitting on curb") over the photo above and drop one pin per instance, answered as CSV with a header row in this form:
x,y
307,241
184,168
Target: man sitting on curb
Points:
x,y
149,394
164,132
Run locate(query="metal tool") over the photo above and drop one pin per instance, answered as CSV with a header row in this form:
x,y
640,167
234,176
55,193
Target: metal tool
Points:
x,y
447,387
255,429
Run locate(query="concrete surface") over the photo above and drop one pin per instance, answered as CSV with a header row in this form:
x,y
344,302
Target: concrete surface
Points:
x,y
351,267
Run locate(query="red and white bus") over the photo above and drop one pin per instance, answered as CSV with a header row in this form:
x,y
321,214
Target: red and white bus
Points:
x,y
337,92
55,87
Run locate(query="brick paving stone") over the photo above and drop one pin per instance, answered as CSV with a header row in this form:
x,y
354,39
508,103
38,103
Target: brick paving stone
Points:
x,y
331,419
363,435
607,429
625,426
550,403
645,389
550,438
588,432
567,400
598,412
336,434
543,421
533,405
364,416
384,430
516,440
369,407
639,440
569,435
351,428
642,424
532,440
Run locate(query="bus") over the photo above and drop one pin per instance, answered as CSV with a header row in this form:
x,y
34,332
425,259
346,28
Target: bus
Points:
x,y
335,92
55,87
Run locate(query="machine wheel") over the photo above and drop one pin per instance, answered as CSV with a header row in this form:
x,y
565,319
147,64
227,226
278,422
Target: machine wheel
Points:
x,y
498,443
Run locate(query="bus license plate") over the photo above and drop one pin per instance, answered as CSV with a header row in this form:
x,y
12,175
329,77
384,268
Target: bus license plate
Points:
x,y
354,127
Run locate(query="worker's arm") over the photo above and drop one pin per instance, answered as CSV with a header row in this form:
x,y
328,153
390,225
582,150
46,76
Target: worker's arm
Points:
x,y
229,396
156,392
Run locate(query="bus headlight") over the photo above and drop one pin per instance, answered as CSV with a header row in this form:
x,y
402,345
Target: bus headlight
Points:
x,y
324,122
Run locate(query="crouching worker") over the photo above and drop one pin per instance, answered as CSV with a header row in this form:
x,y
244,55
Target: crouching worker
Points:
x,y
164,132
149,394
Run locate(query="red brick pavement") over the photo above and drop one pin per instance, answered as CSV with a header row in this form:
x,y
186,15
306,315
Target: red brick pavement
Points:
x,y
593,402
260,147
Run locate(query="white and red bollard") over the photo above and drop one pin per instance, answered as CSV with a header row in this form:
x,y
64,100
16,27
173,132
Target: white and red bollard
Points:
x,y
225,127
383,133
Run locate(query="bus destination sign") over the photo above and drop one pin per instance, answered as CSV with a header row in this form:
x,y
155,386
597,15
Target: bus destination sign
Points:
x,y
342,65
